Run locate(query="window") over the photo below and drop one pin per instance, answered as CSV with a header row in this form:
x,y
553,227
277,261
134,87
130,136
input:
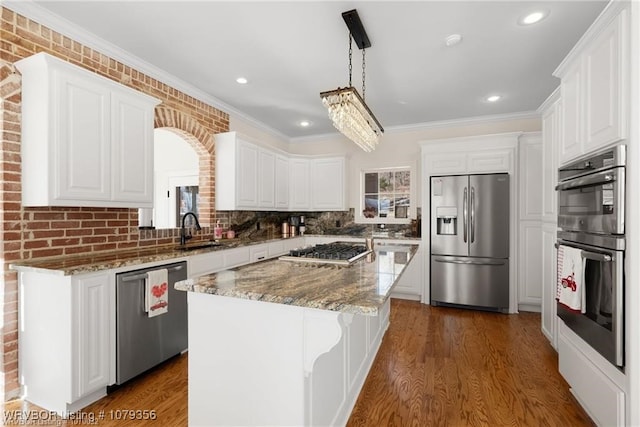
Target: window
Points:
x,y
386,195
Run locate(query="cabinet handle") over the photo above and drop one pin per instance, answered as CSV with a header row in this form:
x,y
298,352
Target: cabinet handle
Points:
x,y
135,277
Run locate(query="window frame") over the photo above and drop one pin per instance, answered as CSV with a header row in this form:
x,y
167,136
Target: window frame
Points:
x,y
411,211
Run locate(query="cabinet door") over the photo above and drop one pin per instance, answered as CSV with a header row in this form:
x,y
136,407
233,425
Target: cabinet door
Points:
x,y
604,106
327,184
530,194
299,184
447,164
549,280
132,148
81,146
247,175
570,141
267,178
410,282
530,264
91,296
550,139
282,182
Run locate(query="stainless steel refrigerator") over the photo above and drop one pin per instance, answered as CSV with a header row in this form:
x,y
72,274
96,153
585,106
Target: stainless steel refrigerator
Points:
x,y
470,240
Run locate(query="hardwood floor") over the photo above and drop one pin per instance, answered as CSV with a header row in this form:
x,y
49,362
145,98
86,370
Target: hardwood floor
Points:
x,y
436,367
450,367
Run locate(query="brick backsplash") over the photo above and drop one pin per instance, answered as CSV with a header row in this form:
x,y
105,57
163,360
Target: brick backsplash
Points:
x,y
28,233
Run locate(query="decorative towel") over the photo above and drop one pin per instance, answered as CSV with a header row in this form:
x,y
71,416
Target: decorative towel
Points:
x,y
156,292
570,275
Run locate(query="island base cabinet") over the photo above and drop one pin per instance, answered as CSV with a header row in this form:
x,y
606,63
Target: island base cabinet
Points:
x,y
278,364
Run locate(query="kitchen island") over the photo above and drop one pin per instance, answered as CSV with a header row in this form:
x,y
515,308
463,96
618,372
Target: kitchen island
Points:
x,y
285,343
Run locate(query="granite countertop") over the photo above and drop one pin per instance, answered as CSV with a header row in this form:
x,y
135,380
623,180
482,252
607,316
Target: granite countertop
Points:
x,y
96,261
361,288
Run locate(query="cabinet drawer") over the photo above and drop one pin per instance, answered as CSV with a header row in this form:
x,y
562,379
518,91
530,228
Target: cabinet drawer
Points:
x,y
599,396
199,265
258,253
235,257
276,249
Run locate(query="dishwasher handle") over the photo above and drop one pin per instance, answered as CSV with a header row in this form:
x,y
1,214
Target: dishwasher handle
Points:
x,y
135,277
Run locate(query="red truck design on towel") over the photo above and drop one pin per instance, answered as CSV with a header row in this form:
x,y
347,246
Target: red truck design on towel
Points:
x,y
569,282
158,291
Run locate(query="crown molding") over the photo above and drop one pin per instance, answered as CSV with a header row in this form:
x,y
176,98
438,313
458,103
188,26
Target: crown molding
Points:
x,y
37,13
466,121
551,99
494,118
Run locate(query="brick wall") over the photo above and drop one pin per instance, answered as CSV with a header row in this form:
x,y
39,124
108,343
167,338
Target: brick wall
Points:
x,y
28,233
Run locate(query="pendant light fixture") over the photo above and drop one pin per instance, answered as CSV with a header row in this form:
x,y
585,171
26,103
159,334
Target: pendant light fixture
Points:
x,y
347,109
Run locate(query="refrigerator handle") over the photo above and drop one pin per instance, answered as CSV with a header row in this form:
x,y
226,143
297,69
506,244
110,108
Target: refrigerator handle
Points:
x,y
465,212
473,214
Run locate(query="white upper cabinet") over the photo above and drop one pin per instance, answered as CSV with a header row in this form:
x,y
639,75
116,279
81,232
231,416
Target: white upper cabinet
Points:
x,y
299,181
236,176
551,121
281,182
267,182
132,121
246,172
252,177
86,140
327,184
571,137
605,69
595,88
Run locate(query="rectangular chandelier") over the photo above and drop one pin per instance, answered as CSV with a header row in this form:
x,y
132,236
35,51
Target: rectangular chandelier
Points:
x,y
351,116
347,109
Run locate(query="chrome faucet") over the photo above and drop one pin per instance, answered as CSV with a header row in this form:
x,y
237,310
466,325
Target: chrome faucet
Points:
x,y
183,235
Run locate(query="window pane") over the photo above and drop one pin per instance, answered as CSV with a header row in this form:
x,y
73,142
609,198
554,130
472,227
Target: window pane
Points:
x,y
386,206
370,182
402,181
386,182
403,200
370,206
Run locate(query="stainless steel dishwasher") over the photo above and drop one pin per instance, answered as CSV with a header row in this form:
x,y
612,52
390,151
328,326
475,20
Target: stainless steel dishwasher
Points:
x,y
143,342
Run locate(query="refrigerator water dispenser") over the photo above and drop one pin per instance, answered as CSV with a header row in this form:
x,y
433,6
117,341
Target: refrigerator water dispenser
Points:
x,y
447,220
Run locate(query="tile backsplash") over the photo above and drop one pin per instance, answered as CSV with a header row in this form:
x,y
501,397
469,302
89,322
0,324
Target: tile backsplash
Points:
x,y
249,224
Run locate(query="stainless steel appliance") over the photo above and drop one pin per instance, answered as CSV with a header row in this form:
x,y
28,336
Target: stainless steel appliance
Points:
x,y
591,215
470,240
337,253
591,193
142,342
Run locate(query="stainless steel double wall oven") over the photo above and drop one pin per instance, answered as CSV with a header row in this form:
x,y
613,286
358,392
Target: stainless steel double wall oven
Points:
x,y
591,205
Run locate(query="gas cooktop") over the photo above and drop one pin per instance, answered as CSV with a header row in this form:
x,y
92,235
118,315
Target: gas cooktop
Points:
x,y
338,253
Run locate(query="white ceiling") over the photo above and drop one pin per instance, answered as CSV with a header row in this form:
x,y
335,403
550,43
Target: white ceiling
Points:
x,y
291,51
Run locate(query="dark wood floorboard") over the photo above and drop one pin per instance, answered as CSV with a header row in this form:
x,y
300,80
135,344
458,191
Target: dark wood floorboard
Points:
x,y
436,367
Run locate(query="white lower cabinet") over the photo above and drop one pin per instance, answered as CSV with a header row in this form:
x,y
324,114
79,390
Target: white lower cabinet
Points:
x,y
409,284
529,271
207,263
549,280
91,296
67,326
598,394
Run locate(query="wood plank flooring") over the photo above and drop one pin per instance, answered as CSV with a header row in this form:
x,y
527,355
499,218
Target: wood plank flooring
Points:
x,y
436,367
442,366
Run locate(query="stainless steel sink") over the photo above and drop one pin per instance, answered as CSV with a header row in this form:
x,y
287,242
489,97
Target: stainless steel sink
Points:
x,y
199,245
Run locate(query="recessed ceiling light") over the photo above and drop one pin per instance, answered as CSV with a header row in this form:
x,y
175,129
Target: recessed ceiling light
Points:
x,y
453,39
305,123
493,98
242,80
533,17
